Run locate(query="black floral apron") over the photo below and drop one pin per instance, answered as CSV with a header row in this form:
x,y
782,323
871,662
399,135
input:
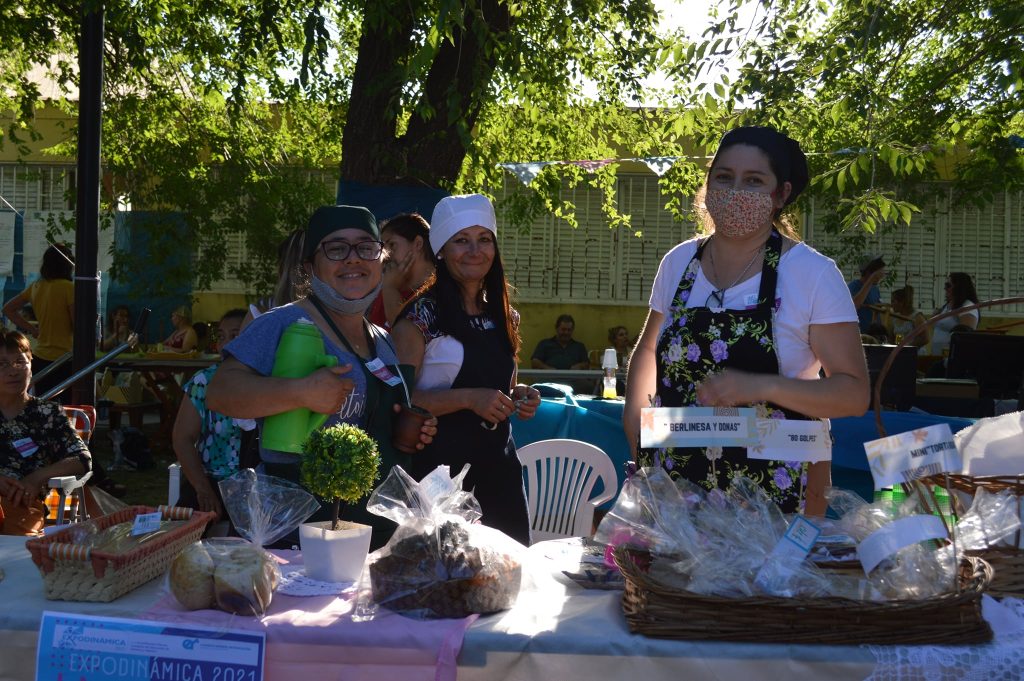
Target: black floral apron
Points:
x,y
495,475
699,341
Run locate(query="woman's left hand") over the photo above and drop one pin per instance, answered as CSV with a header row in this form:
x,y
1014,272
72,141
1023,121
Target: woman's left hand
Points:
x,y
731,388
527,400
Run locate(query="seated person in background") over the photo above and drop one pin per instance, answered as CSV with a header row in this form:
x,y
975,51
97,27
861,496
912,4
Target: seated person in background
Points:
x,y
618,336
207,443
905,318
561,351
36,441
865,289
119,330
183,338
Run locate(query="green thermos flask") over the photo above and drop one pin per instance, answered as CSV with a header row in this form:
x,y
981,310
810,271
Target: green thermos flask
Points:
x,y
299,353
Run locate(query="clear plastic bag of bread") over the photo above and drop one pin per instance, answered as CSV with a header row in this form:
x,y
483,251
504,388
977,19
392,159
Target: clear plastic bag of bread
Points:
x,y
234,574
440,561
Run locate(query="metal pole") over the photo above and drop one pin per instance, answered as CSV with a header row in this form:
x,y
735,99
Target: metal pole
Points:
x,y
87,207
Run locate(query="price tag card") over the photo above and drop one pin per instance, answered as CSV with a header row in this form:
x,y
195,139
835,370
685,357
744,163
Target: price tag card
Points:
x,y
889,539
146,522
697,427
786,440
88,648
912,455
782,562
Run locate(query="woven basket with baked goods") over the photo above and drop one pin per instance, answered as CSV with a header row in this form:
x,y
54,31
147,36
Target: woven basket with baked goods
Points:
x,y
100,559
439,563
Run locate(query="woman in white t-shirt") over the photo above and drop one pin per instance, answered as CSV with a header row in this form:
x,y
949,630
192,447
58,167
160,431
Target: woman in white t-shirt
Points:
x,y
959,293
748,317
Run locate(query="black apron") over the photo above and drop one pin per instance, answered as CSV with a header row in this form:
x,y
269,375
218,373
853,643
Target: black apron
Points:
x,y
379,424
495,475
699,341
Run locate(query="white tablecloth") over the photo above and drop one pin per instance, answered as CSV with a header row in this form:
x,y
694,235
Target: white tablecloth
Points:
x,y
555,631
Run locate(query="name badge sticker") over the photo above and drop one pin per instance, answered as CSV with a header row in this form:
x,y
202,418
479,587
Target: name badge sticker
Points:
x,y
791,440
750,301
912,455
382,371
697,427
26,447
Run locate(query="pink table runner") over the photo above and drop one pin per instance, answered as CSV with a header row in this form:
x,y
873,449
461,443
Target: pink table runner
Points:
x,y
316,636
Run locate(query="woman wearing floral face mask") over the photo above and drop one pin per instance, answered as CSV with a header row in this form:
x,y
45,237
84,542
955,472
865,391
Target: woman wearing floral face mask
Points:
x,y
747,317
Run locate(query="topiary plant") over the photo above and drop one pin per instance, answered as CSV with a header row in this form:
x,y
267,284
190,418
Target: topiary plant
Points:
x,y
340,463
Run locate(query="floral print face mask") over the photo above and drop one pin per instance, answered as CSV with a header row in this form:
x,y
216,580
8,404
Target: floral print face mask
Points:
x,y
737,212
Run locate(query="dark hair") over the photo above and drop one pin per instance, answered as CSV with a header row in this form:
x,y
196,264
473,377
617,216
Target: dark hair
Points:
x,y
873,266
289,268
785,157
453,320
905,294
565,318
113,313
236,313
15,341
408,226
614,331
57,263
963,289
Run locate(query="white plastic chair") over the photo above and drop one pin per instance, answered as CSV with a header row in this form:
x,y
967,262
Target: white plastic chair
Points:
x,y
560,478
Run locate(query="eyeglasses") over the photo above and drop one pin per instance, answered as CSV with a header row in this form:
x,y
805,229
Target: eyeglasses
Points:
x,y
17,365
339,250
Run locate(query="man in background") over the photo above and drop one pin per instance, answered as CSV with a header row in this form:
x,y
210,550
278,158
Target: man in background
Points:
x,y
865,290
561,351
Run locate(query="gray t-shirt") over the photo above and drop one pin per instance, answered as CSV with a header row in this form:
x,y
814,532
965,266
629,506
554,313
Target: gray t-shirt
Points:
x,y
257,346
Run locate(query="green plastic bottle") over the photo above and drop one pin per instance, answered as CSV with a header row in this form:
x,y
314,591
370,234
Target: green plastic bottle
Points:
x,y
299,353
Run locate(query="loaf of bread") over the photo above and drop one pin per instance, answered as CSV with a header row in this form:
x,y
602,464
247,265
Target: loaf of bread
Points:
x,y
442,574
235,576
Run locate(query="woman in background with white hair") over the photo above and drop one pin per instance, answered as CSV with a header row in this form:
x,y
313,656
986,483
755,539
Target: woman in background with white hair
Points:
x,y
462,337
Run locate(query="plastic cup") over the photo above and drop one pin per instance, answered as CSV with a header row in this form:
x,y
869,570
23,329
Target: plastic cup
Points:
x,y
408,424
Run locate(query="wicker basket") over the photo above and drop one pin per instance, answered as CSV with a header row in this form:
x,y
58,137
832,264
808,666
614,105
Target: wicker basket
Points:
x,y
75,573
661,611
1008,562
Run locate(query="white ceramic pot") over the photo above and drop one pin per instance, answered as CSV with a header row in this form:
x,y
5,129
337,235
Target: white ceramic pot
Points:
x,y
334,555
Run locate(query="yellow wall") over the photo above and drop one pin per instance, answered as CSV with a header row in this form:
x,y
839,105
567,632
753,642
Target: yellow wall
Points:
x,y
208,307
55,127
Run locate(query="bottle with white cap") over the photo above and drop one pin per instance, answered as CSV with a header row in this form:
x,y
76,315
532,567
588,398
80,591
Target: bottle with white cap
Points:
x,y
610,363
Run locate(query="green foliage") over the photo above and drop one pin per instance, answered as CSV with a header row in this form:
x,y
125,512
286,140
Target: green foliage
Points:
x,y
240,114
340,462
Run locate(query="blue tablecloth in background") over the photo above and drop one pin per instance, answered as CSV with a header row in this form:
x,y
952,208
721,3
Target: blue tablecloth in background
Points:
x,y
599,422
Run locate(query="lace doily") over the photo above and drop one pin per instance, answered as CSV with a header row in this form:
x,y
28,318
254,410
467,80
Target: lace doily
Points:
x,y
1000,660
294,582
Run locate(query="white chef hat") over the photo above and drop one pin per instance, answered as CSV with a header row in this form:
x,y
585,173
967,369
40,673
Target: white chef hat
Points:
x,y
452,214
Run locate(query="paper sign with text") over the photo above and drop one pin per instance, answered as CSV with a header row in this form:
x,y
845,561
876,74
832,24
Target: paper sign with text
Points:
x,y
912,455
697,427
90,648
792,440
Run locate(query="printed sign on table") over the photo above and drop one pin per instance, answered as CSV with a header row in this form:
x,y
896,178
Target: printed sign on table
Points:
x,y
909,456
86,648
697,427
792,440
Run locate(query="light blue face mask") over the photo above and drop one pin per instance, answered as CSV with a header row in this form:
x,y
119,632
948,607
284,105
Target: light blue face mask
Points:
x,y
339,303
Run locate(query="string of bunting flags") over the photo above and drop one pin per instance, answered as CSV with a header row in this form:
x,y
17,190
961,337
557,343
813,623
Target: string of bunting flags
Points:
x,y
659,165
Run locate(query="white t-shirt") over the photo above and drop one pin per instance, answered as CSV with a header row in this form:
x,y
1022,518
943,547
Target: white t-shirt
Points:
x,y
810,290
942,331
